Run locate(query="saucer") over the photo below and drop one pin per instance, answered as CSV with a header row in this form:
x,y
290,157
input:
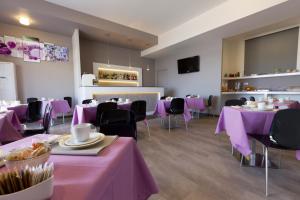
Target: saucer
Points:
x,y
69,141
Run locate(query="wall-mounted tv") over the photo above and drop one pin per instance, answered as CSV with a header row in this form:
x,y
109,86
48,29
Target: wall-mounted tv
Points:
x,y
188,65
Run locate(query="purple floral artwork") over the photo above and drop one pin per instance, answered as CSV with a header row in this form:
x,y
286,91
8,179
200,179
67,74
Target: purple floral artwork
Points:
x,y
14,45
31,50
61,53
49,51
4,50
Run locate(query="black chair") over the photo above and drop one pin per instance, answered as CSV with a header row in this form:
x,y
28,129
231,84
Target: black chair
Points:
x,y
31,99
209,104
118,122
45,124
176,108
284,134
34,111
69,100
251,98
243,99
87,101
234,102
163,97
116,99
106,106
139,108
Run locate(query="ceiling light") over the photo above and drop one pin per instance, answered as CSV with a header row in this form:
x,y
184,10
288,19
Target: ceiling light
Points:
x,y
24,21
148,69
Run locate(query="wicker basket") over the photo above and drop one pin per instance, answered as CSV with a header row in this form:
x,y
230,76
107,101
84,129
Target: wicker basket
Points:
x,y
30,162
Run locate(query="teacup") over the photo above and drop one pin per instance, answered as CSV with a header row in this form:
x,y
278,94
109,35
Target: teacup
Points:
x,y
120,100
127,100
81,132
261,105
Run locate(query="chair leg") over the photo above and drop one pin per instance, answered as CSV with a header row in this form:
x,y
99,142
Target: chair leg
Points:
x,y
279,165
147,124
242,158
169,123
266,166
186,125
232,150
63,115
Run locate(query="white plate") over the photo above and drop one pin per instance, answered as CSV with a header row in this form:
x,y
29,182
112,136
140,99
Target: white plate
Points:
x,y
93,137
98,137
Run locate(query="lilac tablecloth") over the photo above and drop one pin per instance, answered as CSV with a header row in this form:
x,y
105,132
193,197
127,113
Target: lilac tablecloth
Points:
x,y
20,111
9,127
118,173
87,114
195,103
59,106
239,122
162,105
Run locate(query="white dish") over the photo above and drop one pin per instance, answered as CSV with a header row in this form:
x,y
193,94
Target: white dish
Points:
x,y
43,190
63,145
93,137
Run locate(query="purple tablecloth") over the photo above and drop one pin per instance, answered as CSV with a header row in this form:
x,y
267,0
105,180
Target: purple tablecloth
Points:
x,y
118,172
9,127
87,114
196,103
59,106
239,122
162,105
20,111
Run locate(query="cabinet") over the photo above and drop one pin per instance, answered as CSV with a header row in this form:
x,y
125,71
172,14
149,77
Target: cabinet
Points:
x,y
8,84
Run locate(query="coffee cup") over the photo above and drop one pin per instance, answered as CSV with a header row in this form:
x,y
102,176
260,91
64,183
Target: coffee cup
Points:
x,y
261,105
81,132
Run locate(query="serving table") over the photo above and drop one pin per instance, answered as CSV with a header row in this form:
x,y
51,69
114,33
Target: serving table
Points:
x,y
239,122
88,113
118,172
9,127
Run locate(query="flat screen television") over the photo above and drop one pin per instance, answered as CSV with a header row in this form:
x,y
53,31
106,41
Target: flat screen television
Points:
x,y
188,65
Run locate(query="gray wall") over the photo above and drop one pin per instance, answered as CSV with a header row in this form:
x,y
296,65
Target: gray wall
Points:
x,y
205,82
265,54
92,51
45,79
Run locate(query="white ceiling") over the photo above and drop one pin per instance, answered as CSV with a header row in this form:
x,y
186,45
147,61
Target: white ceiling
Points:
x,y
151,16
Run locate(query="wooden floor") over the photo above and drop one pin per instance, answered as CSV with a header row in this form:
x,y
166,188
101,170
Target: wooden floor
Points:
x,y
197,164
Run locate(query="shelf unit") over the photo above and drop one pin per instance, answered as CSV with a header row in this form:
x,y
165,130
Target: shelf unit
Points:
x,y
263,76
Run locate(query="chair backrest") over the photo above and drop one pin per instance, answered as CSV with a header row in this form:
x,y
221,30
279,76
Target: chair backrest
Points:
x,y
243,99
139,109
210,100
106,106
251,98
47,118
285,129
34,111
177,106
69,100
188,95
163,97
118,122
114,99
31,99
87,101
234,102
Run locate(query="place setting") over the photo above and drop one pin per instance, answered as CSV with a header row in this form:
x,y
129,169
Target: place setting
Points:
x,y
83,140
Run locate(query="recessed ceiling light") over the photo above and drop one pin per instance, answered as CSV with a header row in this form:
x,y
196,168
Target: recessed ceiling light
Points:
x,y
24,21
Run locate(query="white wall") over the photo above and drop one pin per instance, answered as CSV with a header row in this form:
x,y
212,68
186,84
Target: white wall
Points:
x,y
205,82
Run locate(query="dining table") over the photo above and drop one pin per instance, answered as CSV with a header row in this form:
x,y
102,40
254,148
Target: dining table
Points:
x,y
59,106
239,122
86,113
119,171
162,106
196,103
10,127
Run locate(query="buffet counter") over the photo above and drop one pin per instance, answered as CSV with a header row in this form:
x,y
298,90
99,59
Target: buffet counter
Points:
x,y
149,94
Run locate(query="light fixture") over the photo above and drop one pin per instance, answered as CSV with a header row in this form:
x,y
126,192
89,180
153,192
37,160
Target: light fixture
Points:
x,y
24,21
148,69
